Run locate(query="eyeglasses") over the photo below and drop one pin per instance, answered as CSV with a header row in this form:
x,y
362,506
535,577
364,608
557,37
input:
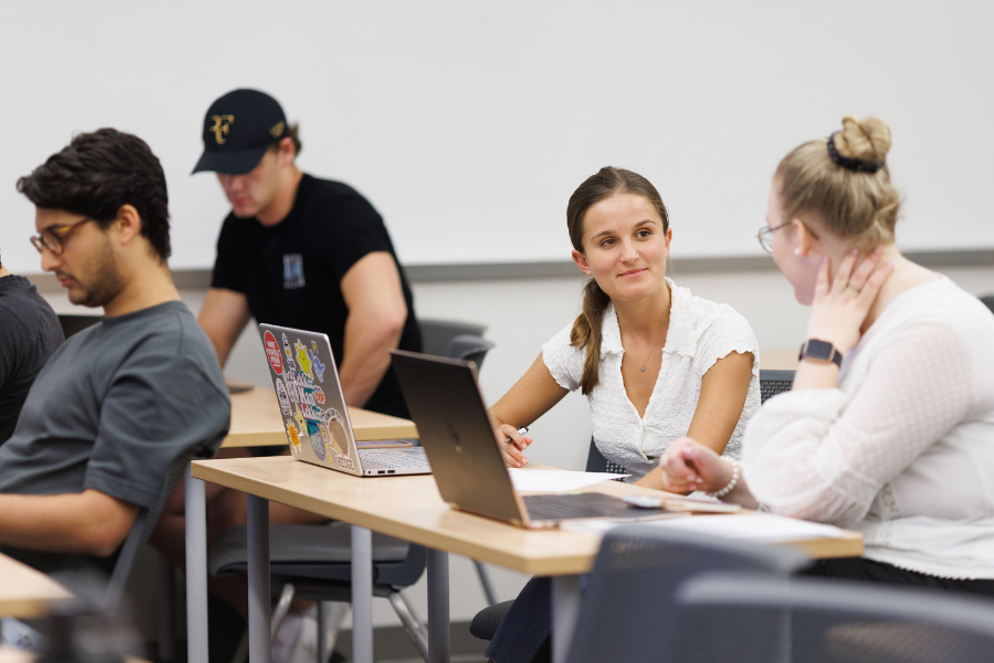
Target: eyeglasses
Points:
x,y
52,238
765,236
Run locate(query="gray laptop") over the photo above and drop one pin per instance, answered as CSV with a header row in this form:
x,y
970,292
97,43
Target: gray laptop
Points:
x,y
445,402
314,414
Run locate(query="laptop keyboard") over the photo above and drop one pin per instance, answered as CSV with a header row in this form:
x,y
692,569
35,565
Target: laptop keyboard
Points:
x,y
395,457
583,505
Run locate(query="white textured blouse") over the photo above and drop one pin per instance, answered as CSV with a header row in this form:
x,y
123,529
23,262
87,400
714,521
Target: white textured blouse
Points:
x,y
903,449
700,333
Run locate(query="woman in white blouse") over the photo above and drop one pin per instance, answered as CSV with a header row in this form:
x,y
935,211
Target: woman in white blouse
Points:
x,y
655,362
889,428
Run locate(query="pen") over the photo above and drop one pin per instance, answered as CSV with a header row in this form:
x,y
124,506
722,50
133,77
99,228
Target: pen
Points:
x,y
521,431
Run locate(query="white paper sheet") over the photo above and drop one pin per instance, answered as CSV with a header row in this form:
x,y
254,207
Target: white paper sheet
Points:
x,y
555,481
759,527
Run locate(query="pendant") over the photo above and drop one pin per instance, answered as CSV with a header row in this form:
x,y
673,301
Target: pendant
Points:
x,y
642,368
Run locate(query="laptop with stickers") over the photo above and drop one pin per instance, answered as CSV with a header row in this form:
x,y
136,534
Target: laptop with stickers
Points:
x,y
315,417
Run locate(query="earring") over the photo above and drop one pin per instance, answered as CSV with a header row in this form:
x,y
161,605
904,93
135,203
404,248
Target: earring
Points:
x,y
797,252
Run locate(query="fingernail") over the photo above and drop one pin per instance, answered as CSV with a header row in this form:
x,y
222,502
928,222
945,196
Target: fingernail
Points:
x,y
878,250
855,252
890,263
824,259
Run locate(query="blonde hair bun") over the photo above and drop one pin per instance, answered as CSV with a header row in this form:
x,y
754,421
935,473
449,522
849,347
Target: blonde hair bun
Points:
x,y
866,140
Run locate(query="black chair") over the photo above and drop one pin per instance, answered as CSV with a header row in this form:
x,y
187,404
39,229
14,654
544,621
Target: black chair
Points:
x,y
314,562
436,334
629,610
72,323
737,617
772,383
988,301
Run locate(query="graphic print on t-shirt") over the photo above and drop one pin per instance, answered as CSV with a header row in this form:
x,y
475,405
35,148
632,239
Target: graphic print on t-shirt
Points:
x,y
293,271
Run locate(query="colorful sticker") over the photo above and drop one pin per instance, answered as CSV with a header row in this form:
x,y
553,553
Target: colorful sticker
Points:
x,y
316,361
284,398
338,439
299,417
291,432
273,352
286,347
303,359
317,441
319,395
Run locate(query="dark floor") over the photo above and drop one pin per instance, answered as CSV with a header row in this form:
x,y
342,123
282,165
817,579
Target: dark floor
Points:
x,y
390,645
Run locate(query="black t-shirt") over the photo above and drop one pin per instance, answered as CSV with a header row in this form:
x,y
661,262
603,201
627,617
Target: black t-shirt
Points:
x,y
291,273
29,334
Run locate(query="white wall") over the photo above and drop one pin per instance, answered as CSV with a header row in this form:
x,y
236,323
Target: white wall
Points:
x,y
468,124
523,314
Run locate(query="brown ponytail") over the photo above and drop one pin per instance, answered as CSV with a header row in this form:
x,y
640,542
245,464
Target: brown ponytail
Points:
x,y
586,330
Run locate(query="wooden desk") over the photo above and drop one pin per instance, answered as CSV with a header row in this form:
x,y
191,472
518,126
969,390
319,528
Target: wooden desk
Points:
x,y
25,592
410,508
12,655
256,422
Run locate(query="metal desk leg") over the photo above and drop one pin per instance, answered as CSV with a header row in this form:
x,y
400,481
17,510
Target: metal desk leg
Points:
x,y
260,596
566,598
196,570
438,606
362,595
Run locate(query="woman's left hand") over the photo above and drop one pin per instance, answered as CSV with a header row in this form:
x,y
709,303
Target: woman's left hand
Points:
x,y
841,304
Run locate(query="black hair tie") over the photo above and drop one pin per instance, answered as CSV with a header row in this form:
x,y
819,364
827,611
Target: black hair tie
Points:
x,y
854,165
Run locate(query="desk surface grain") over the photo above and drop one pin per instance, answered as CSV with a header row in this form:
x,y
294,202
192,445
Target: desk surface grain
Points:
x,y
25,592
256,422
410,508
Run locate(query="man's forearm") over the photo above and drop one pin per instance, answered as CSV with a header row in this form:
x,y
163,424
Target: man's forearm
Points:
x,y
90,522
367,360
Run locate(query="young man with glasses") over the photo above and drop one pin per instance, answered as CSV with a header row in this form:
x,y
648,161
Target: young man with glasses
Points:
x,y
29,334
302,252
119,402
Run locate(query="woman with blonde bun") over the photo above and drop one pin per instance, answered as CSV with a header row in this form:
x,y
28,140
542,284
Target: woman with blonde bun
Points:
x,y
889,427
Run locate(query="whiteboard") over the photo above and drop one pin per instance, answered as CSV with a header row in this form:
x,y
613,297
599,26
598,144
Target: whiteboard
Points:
x,y
468,124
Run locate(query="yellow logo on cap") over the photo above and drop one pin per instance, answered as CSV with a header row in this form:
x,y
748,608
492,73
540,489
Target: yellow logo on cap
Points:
x,y
277,129
221,126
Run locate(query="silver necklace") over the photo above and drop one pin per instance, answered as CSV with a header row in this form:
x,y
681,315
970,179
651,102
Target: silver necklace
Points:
x,y
646,362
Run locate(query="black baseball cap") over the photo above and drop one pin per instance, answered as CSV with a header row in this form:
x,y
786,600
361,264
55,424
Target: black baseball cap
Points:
x,y
238,128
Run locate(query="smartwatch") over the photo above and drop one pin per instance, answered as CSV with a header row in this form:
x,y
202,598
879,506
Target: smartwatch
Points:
x,y
821,352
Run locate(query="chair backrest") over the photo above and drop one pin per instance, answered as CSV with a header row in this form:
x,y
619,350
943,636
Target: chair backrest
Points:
x,y
138,535
629,609
436,334
772,383
469,347
729,617
988,301
72,323
596,462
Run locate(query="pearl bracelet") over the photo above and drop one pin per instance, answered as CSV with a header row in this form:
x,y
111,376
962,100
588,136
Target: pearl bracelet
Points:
x,y
731,484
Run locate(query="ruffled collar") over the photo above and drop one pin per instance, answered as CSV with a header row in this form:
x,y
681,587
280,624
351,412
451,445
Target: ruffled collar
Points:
x,y
684,332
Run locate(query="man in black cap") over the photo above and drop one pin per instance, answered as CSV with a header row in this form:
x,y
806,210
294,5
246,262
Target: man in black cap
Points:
x,y
302,252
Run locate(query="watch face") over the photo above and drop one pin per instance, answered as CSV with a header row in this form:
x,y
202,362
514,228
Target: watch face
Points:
x,y
818,350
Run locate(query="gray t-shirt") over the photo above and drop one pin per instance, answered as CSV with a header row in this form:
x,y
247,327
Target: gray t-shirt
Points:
x,y
29,334
115,405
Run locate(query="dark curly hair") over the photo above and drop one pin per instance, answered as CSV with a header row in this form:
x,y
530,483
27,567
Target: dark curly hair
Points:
x,y
99,172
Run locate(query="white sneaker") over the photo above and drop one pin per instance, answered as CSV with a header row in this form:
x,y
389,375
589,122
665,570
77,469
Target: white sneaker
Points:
x,y
288,637
306,649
